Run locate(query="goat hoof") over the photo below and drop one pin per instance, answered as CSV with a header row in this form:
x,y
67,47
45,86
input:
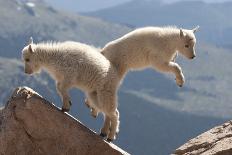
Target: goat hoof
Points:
x,y
103,135
87,105
179,83
94,116
70,102
64,110
109,140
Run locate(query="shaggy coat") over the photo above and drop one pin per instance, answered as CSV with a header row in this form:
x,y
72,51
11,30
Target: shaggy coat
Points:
x,y
73,64
155,47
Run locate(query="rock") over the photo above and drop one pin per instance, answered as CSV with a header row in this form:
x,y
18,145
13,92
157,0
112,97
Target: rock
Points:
x,y
30,125
217,141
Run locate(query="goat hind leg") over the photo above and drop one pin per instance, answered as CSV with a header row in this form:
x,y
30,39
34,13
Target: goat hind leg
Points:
x,y
92,103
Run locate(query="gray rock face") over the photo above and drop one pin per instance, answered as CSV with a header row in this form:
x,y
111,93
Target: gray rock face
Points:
x,y
31,125
217,141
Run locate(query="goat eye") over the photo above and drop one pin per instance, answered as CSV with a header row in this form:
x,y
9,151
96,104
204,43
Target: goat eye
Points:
x,y
186,46
27,60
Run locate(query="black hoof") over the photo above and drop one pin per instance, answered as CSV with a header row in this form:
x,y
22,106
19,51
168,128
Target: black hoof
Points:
x,y
87,105
109,140
180,85
64,110
70,102
103,135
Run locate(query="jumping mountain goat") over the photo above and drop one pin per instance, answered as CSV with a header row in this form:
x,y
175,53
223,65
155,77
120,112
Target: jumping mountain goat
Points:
x,y
72,64
155,47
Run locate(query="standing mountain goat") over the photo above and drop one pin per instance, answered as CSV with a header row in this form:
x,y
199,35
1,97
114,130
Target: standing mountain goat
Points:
x,y
155,47
74,64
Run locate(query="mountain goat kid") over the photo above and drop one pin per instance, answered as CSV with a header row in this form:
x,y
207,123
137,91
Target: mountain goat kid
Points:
x,y
155,47
74,64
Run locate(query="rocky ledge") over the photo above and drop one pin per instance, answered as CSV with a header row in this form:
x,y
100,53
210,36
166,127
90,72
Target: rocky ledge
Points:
x,y
31,125
217,141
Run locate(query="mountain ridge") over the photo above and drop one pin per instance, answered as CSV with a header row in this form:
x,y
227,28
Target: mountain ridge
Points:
x,y
45,23
212,18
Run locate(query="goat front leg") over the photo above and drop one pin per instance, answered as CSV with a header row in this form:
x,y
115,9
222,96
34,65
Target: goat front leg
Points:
x,y
114,126
62,89
106,127
175,69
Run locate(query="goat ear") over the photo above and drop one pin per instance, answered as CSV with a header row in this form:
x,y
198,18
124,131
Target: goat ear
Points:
x,y
30,40
30,48
181,33
196,29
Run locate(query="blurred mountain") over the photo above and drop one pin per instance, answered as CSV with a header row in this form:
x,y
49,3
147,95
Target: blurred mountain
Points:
x,y
84,6
206,91
146,127
150,103
94,5
212,17
152,108
12,75
20,19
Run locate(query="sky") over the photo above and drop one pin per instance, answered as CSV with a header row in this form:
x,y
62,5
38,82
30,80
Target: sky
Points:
x,y
208,1
93,5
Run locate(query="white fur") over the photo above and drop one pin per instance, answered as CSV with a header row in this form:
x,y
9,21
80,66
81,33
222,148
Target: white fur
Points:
x,y
74,64
154,47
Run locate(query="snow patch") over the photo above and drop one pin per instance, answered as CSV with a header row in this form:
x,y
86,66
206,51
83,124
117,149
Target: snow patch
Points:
x,y
30,4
